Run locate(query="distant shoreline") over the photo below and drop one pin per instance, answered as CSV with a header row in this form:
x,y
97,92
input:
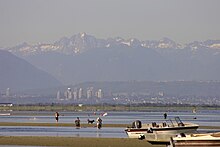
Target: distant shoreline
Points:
x,y
106,107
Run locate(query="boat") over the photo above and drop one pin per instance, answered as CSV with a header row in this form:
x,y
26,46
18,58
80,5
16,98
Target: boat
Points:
x,y
5,114
196,140
160,133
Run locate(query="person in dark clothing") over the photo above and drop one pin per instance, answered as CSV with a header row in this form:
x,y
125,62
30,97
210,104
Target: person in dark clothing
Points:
x,y
165,115
77,122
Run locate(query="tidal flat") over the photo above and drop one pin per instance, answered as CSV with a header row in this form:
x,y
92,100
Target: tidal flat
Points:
x,y
208,119
74,141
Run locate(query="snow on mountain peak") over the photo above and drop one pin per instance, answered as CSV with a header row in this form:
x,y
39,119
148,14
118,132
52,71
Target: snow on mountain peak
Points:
x,y
126,43
208,44
216,46
83,34
119,39
108,45
82,42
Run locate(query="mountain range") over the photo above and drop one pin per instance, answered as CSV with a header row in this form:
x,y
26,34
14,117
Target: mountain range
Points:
x,y
83,57
82,42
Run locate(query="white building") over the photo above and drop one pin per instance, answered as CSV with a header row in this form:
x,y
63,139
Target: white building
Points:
x,y
7,94
58,95
75,94
99,93
80,93
68,94
89,92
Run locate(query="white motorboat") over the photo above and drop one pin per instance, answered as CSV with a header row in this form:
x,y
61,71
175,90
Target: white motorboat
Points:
x,y
154,132
5,114
196,140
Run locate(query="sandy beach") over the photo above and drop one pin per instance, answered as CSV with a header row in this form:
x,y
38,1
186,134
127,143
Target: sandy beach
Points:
x,y
74,141
69,141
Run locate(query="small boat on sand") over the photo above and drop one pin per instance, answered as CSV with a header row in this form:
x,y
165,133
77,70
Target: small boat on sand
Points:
x,y
5,114
196,140
159,133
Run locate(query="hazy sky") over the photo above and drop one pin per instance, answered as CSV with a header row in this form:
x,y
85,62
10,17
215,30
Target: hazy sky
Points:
x,y
46,21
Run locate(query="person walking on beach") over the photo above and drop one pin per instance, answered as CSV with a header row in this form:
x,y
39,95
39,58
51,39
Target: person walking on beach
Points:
x,y
77,122
57,116
165,115
99,123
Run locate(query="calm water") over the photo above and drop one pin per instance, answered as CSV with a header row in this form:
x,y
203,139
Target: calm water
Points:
x,y
203,118
62,131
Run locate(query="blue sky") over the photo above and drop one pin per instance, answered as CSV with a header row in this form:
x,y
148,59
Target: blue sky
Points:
x,y
34,21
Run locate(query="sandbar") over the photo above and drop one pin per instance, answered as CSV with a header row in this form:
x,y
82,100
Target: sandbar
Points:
x,y
74,141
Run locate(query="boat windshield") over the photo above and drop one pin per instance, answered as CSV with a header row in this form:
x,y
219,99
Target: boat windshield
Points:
x,y
176,121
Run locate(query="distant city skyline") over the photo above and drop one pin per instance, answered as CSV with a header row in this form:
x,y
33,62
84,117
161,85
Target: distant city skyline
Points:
x,y
48,20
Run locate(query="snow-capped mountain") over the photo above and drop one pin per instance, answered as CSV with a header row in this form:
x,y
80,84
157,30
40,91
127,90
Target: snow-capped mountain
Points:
x,y
83,42
25,49
161,44
78,43
83,57
208,44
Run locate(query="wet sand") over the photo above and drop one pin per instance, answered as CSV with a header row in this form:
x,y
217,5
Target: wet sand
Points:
x,y
72,141
69,141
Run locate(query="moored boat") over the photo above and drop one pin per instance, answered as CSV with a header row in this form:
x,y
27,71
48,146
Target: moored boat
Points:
x,y
5,114
196,140
154,132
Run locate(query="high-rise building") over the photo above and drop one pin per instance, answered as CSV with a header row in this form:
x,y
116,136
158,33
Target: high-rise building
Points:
x,y
99,93
68,94
161,93
7,94
80,93
58,95
89,92
75,94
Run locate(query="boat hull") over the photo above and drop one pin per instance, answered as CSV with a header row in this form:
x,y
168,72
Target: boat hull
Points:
x,y
159,134
135,133
197,143
196,140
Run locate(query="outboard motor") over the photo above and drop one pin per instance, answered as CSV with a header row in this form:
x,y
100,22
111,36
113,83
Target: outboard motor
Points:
x,y
136,124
